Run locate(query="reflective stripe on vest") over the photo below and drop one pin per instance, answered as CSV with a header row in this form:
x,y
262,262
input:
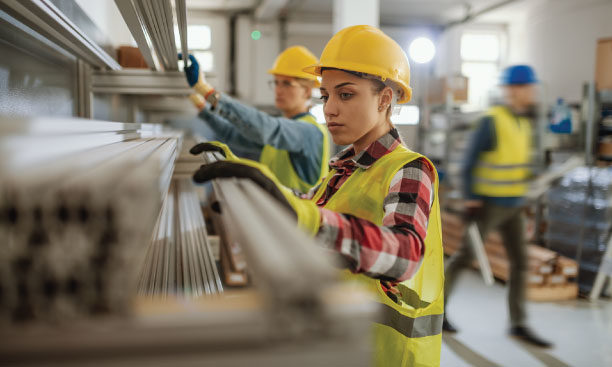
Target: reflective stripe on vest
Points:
x,y
409,334
503,172
280,163
411,327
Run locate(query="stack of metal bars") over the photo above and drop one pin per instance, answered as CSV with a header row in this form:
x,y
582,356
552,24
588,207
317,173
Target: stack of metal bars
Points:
x,y
152,25
276,252
78,202
179,259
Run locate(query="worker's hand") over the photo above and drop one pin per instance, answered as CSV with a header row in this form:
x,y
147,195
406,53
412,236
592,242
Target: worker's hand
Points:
x,y
472,209
194,77
305,211
198,101
213,146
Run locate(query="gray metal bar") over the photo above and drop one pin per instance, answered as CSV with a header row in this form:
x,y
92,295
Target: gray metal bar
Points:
x,y
591,119
181,19
140,82
605,271
481,254
134,21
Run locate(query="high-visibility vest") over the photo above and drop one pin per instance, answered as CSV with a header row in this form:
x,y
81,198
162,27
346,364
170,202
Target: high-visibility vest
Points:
x,y
410,333
504,171
280,164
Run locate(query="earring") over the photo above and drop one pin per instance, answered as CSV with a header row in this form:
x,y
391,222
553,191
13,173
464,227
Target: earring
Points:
x,y
380,108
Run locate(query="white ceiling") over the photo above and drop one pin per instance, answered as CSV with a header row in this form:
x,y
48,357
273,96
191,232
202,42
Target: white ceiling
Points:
x,y
392,12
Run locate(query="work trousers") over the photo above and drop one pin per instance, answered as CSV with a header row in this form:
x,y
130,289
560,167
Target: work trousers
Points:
x,y
510,223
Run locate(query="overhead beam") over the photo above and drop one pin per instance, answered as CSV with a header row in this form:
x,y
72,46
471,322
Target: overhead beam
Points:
x,y
270,9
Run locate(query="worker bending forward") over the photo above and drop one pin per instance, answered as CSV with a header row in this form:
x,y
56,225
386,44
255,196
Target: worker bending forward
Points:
x,y
294,147
378,207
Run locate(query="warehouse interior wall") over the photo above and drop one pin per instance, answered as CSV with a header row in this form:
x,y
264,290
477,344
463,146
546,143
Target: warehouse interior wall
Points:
x,y
36,77
106,16
559,39
254,58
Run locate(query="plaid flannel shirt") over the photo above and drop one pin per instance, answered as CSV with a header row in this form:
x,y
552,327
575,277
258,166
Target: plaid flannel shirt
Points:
x,y
392,252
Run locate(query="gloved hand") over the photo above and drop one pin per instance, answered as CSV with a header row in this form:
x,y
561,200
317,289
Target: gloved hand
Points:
x,y
194,77
213,146
306,211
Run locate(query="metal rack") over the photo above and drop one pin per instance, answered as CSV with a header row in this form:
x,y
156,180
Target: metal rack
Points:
x,y
49,21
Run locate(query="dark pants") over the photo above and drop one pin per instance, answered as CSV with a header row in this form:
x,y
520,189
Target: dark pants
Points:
x,y
510,223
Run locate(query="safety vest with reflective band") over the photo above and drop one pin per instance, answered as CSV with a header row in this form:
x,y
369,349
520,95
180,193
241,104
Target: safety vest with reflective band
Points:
x,y
410,333
503,172
280,164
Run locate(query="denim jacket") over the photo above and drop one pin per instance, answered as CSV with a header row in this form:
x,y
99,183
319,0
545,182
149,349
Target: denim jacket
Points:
x,y
237,124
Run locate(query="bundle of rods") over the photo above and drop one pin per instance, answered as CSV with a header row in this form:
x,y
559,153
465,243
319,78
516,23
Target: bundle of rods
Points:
x,y
179,260
78,203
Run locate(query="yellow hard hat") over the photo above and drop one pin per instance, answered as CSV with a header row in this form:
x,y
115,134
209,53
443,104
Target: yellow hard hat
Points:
x,y
366,49
292,61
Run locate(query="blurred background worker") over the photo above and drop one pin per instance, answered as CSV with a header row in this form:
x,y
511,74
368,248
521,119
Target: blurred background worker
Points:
x,y
495,173
295,147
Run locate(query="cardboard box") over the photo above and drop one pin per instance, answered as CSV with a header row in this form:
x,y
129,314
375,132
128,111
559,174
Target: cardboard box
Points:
x,y
438,88
603,64
130,57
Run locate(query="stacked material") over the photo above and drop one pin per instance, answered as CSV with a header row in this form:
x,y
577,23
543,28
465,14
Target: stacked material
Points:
x,y
152,25
78,202
180,259
550,275
580,219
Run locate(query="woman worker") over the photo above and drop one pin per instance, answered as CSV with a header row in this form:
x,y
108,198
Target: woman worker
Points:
x,y
378,208
295,147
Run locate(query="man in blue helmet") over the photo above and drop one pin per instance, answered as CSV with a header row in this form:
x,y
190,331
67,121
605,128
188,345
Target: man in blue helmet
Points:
x,y
495,173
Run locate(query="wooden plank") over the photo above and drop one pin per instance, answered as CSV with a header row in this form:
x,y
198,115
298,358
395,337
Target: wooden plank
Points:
x,y
564,292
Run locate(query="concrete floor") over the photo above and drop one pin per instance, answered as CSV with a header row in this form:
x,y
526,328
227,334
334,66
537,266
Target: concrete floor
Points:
x,y
580,330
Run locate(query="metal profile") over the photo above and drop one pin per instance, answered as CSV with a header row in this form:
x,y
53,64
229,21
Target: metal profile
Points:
x,y
151,23
276,251
135,24
179,259
157,21
140,82
181,19
78,215
46,19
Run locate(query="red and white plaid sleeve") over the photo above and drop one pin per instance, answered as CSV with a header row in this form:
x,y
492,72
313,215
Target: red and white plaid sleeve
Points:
x,y
394,250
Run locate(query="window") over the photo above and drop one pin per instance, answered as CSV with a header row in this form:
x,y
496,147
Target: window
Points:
x,y
480,57
199,38
408,115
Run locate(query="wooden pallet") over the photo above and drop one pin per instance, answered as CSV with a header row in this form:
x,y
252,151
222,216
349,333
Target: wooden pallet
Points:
x,y
551,277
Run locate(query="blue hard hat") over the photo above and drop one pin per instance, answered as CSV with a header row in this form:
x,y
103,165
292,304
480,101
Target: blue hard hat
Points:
x,y
518,74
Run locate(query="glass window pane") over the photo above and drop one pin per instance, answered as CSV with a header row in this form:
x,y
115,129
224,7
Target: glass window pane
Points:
x,y
480,47
482,76
408,115
206,60
317,112
199,37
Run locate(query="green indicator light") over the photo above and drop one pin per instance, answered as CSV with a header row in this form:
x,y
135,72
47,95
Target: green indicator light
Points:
x,y
256,35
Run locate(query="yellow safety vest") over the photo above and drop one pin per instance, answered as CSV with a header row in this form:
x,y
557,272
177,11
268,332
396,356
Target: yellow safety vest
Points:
x,y
280,164
503,172
409,334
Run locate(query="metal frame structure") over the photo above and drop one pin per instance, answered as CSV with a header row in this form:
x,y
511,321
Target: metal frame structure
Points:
x,y
152,26
141,82
46,19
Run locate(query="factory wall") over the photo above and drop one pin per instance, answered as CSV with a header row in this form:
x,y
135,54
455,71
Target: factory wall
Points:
x,y
559,39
